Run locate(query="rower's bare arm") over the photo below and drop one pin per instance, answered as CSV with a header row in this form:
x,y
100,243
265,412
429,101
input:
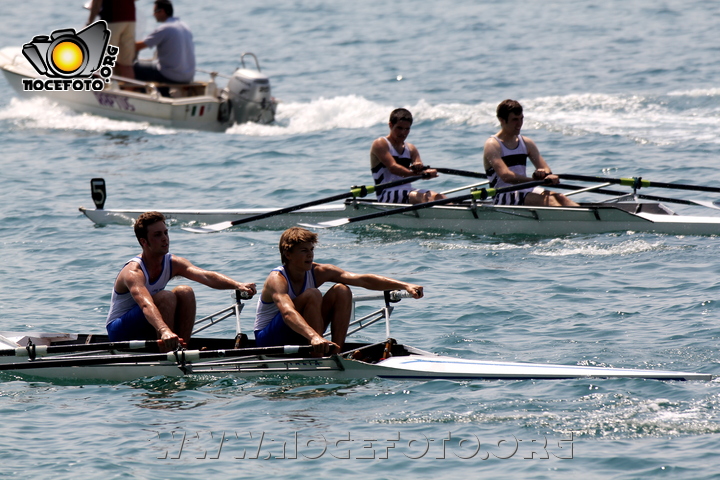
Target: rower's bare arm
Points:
x,y
381,150
493,156
216,280
133,279
331,273
293,319
542,169
417,165
277,288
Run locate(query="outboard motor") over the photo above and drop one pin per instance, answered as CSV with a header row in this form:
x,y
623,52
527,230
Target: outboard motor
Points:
x,y
249,94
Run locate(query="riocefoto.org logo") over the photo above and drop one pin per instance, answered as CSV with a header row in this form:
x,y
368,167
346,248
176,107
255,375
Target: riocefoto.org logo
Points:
x,y
71,61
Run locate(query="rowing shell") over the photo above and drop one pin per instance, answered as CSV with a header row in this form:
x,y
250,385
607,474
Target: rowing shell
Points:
x,y
482,219
361,360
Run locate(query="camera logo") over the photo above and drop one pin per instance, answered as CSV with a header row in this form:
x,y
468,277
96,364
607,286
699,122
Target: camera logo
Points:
x,y
77,61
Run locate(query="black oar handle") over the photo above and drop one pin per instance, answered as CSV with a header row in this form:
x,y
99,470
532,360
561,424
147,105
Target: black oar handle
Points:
x,y
461,173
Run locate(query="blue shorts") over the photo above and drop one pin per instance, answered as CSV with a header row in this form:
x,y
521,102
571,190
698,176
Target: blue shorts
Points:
x,y
131,326
278,333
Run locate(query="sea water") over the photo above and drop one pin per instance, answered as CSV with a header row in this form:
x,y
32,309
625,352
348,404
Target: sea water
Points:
x,y
609,88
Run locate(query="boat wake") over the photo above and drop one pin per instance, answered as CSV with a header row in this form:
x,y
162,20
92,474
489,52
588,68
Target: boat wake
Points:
x,y
677,117
41,113
609,246
674,118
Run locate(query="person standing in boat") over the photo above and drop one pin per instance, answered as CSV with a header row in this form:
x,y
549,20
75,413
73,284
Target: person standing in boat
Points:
x,y
505,159
175,49
140,307
392,158
120,18
292,311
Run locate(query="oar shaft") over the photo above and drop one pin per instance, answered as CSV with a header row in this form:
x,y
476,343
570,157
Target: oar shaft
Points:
x,y
604,191
629,182
41,350
179,357
460,173
354,192
638,182
465,187
477,194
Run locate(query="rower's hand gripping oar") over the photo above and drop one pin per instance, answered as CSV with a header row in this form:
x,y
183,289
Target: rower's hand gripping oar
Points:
x,y
480,194
355,192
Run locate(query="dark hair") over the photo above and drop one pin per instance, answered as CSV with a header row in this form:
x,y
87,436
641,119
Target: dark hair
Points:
x,y
294,236
507,107
400,114
144,221
165,5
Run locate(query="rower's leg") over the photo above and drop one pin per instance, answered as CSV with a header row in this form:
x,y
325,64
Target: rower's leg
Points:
x,y
417,196
185,311
336,309
308,304
166,303
548,199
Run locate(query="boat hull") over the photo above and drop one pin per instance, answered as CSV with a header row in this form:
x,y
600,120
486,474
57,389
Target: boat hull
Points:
x,y
360,361
486,219
199,111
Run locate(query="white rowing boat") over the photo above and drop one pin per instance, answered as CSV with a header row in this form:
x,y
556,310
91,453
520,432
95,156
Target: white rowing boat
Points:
x,y
91,358
201,105
621,214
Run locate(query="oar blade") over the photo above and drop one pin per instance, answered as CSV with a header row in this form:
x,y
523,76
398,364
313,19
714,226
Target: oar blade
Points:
x,y
329,224
215,227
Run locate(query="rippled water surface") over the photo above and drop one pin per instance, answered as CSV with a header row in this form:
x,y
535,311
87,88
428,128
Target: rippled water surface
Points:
x,y
614,88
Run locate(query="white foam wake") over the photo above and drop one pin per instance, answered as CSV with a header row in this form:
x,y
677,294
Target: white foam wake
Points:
x,y
677,117
41,113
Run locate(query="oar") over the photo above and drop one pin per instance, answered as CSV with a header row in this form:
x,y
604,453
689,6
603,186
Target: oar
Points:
x,y
460,173
628,181
481,194
354,192
179,357
465,187
638,182
586,189
42,350
577,189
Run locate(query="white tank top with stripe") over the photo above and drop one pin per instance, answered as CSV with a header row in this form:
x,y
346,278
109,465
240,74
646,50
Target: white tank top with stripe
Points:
x,y
121,303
